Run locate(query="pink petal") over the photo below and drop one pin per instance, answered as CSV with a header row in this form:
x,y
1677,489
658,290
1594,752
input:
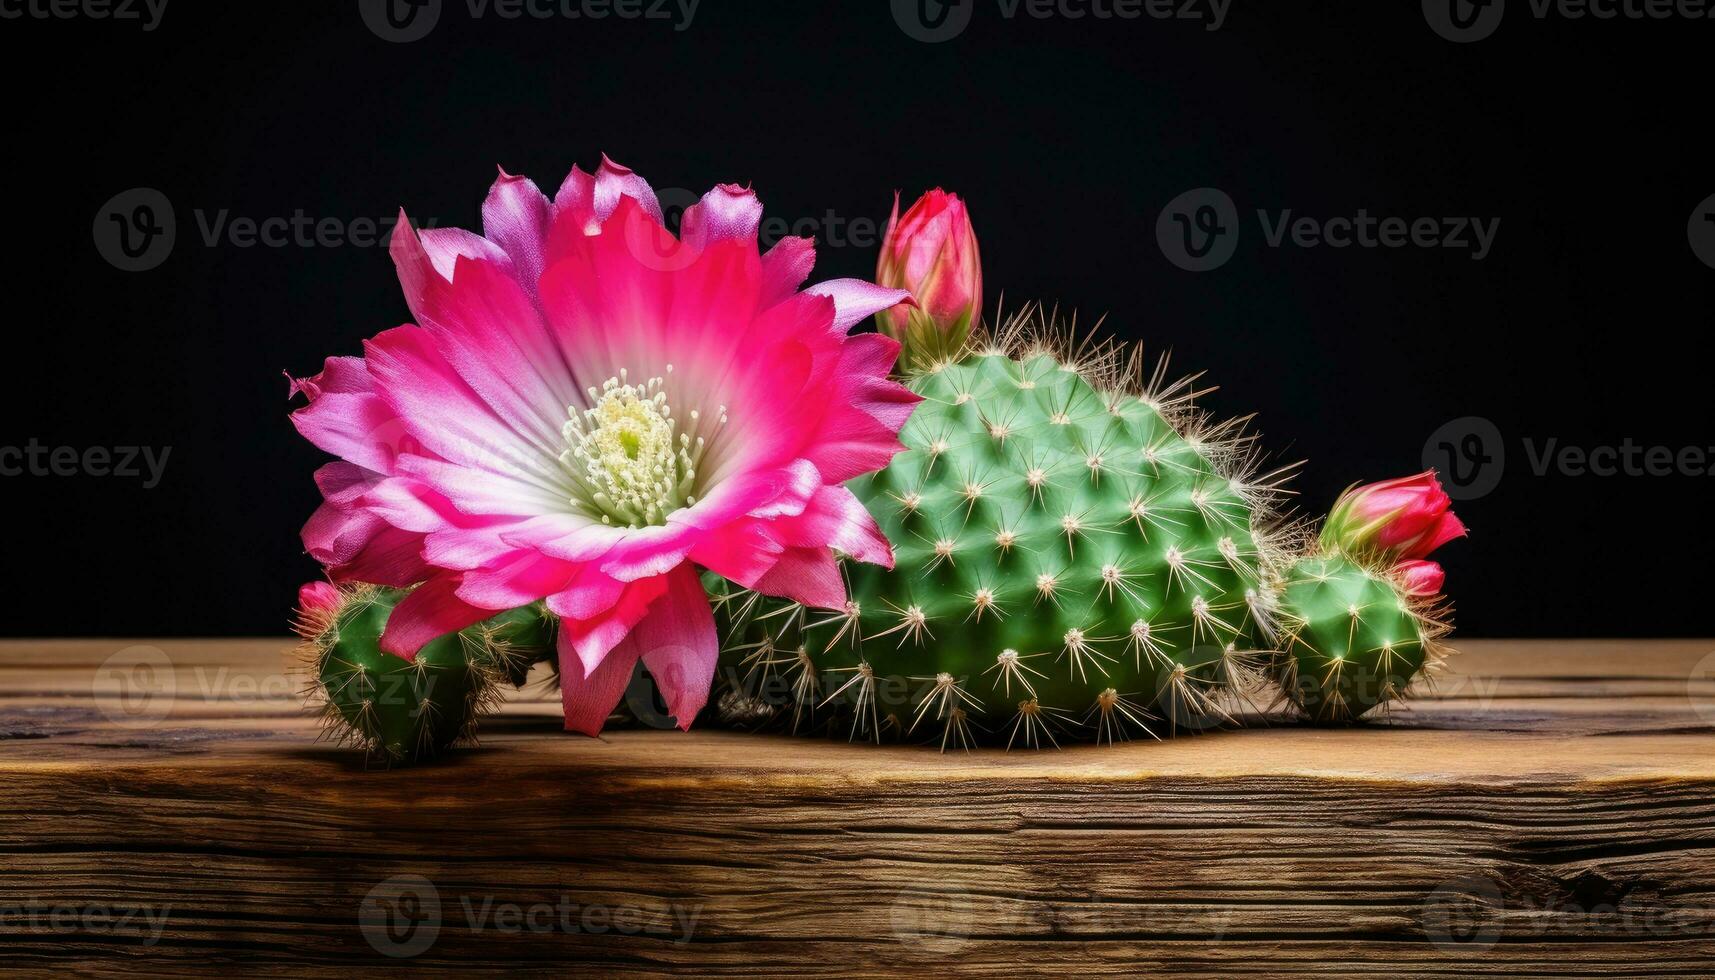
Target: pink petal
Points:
x,y
427,258
613,181
431,611
588,697
729,212
1449,528
515,217
860,431
517,580
856,300
806,575
392,557
837,519
785,268
1421,578
679,645
593,637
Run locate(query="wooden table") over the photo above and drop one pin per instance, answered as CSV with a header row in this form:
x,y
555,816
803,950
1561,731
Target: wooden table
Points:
x,y
166,808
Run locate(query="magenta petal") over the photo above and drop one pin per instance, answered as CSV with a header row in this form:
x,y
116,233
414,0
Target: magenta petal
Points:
x,y
424,259
613,181
587,698
727,212
1421,578
1447,529
785,268
433,610
594,637
837,519
515,217
522,578
392,557
854,300
679,645
806,575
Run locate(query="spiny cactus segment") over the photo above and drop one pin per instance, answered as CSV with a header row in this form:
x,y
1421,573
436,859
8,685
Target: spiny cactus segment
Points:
x,y
402,711
1079,553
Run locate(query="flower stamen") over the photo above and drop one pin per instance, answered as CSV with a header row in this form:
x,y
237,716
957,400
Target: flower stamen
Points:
x,y
629,463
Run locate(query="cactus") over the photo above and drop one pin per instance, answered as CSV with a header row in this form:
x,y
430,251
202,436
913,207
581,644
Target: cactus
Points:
x,y
1352,638
1078,552
408,711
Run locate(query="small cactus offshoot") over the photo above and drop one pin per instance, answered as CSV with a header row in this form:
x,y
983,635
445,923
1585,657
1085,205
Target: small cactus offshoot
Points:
x,y
402,711
1354,638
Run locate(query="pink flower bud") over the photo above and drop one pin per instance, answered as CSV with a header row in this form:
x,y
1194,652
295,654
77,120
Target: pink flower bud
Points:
x,y
318,607
1421,578
318,597
1401,520
932,253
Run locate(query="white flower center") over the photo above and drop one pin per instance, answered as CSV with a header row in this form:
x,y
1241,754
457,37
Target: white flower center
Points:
x,y
628,461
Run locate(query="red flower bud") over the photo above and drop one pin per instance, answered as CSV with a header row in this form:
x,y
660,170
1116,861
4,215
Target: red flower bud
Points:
x,y
1401,520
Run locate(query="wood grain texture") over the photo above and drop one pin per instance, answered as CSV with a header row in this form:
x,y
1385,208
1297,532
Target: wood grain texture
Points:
x,y
1549,811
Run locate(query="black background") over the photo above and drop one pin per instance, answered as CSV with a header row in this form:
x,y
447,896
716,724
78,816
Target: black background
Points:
x,y
1588,323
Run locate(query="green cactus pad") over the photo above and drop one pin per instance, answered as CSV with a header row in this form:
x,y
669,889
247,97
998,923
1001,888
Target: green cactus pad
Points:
x,y
1352,640
408,711
1072,558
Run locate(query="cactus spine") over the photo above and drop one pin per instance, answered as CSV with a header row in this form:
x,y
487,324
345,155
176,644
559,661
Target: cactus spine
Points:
x,y
1078,552
402,711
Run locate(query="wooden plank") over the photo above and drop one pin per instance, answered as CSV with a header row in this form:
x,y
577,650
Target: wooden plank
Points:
x,y
1550,810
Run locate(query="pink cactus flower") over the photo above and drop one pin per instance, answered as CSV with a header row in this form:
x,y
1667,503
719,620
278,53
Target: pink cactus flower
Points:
x,y
1402,519
1421,578
589,410
932,253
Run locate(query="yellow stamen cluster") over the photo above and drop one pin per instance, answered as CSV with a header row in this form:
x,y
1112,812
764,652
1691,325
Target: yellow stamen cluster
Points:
x,y
629,463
